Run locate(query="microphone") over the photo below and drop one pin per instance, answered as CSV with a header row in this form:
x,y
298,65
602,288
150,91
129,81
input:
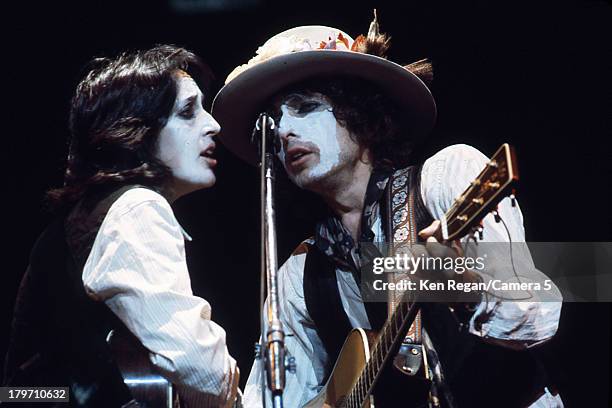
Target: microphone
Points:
x,y
265,127
272,342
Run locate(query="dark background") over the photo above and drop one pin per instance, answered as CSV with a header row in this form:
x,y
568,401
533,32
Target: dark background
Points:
x,y
535,74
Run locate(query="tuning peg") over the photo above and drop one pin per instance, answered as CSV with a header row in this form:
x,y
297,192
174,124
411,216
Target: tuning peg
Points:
x,y
496,216
477,229
513,200
290,364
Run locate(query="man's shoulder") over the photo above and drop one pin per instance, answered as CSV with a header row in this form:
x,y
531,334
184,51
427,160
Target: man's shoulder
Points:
x,y
304,247
455,164
447,174
294,265
457,152
450,156
291,273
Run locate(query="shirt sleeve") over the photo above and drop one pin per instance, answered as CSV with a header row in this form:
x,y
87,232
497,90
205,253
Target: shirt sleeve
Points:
x,y
137,267
514,324
302,342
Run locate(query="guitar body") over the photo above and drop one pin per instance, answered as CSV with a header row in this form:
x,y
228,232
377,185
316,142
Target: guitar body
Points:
x,y
148,388
393,387
352,359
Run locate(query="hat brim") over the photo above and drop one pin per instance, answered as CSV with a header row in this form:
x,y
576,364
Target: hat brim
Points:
x,y
238,104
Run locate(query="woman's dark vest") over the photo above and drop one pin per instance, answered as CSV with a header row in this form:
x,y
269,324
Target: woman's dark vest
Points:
x,y
479,374
59,333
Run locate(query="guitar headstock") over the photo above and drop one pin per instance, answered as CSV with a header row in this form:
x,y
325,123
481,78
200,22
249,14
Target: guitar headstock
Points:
x,y
494,182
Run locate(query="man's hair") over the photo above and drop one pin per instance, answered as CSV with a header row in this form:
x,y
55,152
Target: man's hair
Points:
x,y
373,120
116,115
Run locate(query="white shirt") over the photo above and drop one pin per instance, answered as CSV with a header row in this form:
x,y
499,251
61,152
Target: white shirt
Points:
x,y
512,324
137,267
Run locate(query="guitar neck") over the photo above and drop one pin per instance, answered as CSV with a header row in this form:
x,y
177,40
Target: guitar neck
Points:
x,y
388,343
483,194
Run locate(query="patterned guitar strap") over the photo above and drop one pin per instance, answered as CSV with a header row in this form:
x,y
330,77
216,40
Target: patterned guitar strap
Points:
x,y
402,223
417,356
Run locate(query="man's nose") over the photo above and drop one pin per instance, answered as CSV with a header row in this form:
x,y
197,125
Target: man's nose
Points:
x,y
284,132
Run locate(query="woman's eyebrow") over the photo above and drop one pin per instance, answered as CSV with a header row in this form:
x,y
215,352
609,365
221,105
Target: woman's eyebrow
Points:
x,y
188,100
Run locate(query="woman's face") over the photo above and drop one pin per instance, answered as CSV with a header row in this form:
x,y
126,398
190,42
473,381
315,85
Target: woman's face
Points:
x,y
186,142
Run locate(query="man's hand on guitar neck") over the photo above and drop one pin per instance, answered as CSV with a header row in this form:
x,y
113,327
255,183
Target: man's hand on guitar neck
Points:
x,y
443,250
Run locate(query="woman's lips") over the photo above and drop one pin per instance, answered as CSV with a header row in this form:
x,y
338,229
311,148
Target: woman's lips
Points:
x,y
207,155
211,162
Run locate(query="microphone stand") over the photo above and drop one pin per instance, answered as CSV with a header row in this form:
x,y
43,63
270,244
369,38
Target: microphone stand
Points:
x,y
272,346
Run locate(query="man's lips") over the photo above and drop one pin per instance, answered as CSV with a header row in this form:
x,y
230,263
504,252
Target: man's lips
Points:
x,y
297,154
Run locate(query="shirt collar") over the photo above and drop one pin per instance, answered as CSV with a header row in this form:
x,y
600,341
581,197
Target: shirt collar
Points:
x,y
331,236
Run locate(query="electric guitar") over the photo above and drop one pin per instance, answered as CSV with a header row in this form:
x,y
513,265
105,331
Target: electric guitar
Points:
x,y
364,354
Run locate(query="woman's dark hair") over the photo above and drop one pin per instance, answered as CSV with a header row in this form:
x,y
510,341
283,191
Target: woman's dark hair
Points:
x,y
373,120
116,115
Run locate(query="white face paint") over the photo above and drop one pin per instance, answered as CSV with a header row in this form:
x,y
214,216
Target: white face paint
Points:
x,y
315,145
186,143
318,128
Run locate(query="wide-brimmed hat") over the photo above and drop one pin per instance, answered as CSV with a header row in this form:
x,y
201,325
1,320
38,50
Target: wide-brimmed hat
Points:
x,y
306,52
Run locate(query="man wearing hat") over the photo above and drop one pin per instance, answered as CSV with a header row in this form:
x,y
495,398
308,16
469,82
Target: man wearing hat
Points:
x,y
348,120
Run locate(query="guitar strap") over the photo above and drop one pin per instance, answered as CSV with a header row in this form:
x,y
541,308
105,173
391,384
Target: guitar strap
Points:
x,y
321,293
404,205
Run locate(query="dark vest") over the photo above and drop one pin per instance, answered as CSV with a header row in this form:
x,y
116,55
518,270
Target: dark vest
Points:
x,y
59,333
478,373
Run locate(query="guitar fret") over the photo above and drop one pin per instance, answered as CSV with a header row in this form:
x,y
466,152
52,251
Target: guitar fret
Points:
x,y
396,325
400,313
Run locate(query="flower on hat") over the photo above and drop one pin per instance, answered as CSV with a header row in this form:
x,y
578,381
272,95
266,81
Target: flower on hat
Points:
x,y
284,45
335,42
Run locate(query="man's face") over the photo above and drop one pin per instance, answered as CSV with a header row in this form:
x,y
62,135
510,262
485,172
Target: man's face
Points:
x,y
186,143
314,146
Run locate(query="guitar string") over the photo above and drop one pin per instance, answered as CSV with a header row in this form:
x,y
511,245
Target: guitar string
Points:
x,y
515,273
